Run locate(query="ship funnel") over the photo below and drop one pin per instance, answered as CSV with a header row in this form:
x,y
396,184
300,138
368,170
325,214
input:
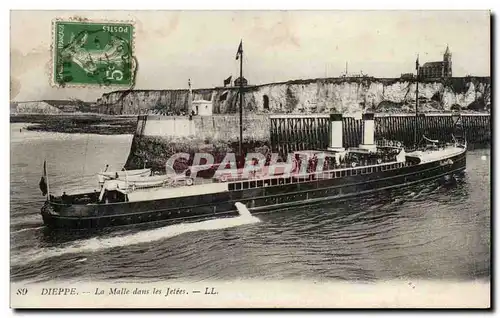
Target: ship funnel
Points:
x,y
335,133
368,132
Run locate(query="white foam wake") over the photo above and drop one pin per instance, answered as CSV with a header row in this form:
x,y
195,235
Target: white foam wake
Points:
x,y
27,229
97,244
242,210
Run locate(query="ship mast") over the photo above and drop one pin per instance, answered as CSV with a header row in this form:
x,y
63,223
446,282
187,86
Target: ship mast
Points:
x,y
239,55
190,98
416,106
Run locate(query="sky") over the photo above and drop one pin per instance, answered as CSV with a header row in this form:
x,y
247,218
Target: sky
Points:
x,y
174,46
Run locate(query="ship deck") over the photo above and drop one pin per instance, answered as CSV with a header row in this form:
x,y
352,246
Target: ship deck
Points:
x,y
156,193
264,177
207,186
430,155
211,185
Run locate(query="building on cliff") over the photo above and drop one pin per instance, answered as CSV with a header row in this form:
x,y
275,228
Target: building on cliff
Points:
x,y
440,69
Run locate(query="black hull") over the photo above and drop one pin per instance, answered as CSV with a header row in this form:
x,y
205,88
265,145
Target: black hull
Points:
x,y
258,200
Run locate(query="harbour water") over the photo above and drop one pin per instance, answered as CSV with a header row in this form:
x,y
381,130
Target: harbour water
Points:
x,y
430,231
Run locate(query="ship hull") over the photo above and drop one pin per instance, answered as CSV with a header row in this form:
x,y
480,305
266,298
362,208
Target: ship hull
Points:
x,y
258,200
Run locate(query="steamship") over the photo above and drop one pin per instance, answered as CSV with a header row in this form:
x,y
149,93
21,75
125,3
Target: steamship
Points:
x,y
313,176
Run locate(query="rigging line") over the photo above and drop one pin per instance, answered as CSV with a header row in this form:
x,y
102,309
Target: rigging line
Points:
x,y
85,159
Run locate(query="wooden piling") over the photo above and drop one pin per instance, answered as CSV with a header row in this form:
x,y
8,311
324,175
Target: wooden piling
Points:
x,y
295,132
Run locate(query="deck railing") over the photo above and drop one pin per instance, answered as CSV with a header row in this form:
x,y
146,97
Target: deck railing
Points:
x,y
340,171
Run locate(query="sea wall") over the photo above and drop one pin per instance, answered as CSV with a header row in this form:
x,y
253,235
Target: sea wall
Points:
x,y
159,137
224,127
324,95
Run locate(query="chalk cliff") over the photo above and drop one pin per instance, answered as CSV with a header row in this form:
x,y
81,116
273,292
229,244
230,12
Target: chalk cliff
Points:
x,y
348,95
35,107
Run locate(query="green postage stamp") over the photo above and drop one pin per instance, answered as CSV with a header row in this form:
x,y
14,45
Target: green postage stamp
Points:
x,y
87,53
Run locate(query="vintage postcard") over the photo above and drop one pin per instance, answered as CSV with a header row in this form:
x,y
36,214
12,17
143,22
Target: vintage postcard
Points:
x,y
250,159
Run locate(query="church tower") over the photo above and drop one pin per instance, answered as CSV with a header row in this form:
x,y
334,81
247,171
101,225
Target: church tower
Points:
x,y
447,63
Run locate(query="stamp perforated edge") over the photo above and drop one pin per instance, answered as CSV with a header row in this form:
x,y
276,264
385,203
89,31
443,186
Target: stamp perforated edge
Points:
x,y
82,19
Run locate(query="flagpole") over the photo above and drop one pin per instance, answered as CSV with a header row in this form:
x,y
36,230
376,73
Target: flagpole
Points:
x,y
47,177
241,104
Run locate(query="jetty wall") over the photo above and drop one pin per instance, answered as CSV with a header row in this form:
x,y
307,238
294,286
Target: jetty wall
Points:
x,y
223,127
312,96
292,133
159,137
